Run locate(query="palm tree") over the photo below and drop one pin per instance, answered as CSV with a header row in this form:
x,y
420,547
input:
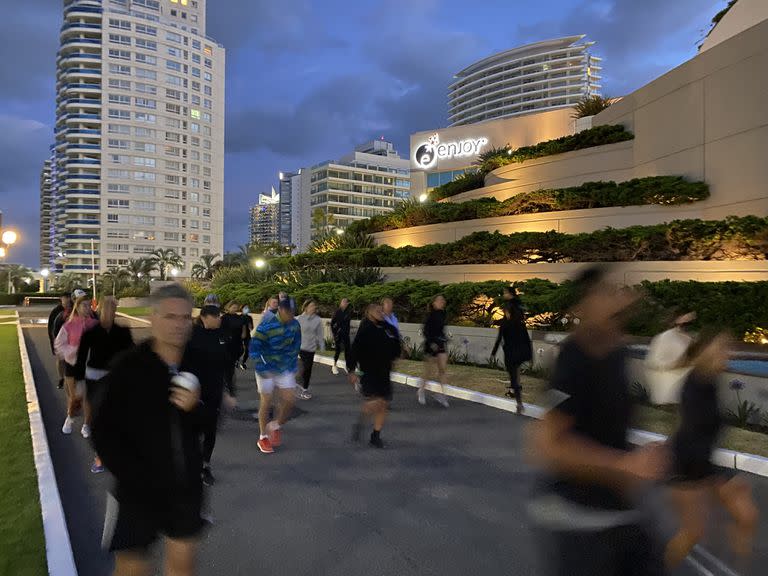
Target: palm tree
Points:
x,y
591,105
139,269
117,277
15,276
204,269
67,282
165,259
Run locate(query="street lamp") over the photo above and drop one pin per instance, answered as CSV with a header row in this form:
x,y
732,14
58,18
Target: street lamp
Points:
x,y
174,272
9,238
44,273
423,198
339,231
259,263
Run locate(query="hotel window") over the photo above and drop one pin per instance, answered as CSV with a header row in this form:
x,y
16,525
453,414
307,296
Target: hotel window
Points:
x,y
119,54
119,114
144,132
120,39
144,147
146,59
120,69
146,88
118,234
146,44
119,24
119,84
145,73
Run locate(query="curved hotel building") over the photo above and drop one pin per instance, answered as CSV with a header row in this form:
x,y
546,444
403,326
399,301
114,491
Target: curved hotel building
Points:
x,y
541,76
137,162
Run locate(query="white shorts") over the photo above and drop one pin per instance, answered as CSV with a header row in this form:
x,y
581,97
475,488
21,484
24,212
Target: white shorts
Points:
x,y
267,381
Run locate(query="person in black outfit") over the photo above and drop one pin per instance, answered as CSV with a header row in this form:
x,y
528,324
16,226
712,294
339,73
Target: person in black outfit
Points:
x,y
435,349
233,327
511,299
248,320
98,347
588,524
340,328
376,347
63,307
209,342
147,431
695,480
513,336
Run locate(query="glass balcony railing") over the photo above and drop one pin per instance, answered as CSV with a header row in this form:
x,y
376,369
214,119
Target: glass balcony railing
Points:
x,y
82,191
79,71
83,117
81,41
71,25
83,177
81,236
76,131
85,146
84,9
82,86
82,161
88,222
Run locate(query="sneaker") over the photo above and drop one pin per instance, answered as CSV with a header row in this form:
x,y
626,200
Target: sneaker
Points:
x,y
265,445
422,396
60,385
208,478
442,400
85,431
334,369
67,428
306,395
275,434
376,441
97,468
520,408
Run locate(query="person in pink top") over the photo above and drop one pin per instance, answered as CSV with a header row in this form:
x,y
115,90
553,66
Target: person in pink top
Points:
x,y
66,346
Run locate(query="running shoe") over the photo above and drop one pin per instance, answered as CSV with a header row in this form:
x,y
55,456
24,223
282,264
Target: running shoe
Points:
x,y
275,434
208,478
67,428
97,468
306,395
520,408
60,385
422,396
85,431
443,400
265,445
334,369
376,441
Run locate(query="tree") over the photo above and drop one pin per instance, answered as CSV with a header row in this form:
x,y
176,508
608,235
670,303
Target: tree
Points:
x,y
67,282
346,241
115,279
591,105
165,259
139,269
15,275
205,269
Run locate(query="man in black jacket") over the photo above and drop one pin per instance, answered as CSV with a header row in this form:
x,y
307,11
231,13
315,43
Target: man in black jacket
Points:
x,y
53,331
376,346
147,432
340,327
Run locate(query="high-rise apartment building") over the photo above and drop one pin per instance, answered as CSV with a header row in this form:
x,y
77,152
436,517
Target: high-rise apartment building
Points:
x,y
541,76
47,216
369,181
264,225
290,195
139,140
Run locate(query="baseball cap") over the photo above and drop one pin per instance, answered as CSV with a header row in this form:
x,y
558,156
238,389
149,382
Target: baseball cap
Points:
x,y
78,293
211,300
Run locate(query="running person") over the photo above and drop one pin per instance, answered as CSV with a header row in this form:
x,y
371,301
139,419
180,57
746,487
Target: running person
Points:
x,y
514,338
436,349
248,321
66,345
387,306
275,347
583,510
147,432
233,327
312,339
64,306
340,328
695,481
211,344
270,309
98,347
376,347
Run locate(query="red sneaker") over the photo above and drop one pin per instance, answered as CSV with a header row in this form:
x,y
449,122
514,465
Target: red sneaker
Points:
x,y
265,445
275,436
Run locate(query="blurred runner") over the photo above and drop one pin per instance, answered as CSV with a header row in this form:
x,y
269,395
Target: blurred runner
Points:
x,y
234,329
248,321
387,307
340,328
435,350
63,307
312,339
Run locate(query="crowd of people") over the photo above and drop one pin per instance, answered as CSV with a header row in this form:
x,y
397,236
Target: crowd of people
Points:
x,y
179,380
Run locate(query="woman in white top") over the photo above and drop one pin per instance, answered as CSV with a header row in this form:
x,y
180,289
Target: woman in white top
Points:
x,y
312,339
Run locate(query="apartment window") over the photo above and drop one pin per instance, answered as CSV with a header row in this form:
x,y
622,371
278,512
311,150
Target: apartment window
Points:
x,y
144,206
176,52
151,4
119,54
117,247
119,128
208,63
208,77
118,233
171,222
208,50
123,204
144,132
143,161
207,158
120,69
144,147
120,39
194,127
118,159
172,151
146,88
195,141
149,176
194,155
120,99
196,58
146,29
194,183
119,114
119,84
172,179
194,224
207,104
206,171
146,73
172,137
194,169
144,43
171,236
206,185
143,235
173,94
146,59
195,100
172,108
207,118
144,117
172,208
144,220
206,225
194,211
206,239
171,65
208,91
118,188
196,44
143,249
173,80
173,37
146,103
195,85
119,24
207,144
206,198
172,165
193,238
143,190
113,218
171,193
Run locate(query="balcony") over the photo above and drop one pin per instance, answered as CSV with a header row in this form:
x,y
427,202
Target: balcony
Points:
x,y
79,207
81,132
76,9
81,42
83,162
82,103
71,73
78,177
82,192
89,88
83,118
78,223
88,148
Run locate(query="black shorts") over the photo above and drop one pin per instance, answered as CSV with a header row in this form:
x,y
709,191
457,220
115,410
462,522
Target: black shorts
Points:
x,y
684,471
376,388
133,524
71,371
434,349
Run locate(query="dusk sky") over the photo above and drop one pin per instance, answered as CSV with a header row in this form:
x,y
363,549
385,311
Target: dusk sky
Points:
x,y
308,80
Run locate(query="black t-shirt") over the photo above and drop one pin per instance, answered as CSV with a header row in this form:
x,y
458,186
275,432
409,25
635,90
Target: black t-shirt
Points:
x,y
595,393
700,422
232,327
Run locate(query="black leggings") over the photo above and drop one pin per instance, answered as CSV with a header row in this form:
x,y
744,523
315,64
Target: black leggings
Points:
x,y
246,350
341,341
514,380
307,361
210,426
229,375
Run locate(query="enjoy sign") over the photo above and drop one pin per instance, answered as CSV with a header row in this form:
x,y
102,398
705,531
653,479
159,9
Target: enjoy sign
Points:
x,y
428,153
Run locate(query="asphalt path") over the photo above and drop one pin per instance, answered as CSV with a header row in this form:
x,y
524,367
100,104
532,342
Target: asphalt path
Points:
x,y
446,497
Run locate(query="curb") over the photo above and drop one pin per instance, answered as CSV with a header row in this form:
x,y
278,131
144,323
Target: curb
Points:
x,y
135,318
58,548
725,458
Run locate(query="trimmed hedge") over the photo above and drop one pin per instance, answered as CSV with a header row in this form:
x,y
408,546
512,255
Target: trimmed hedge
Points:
x,y
597,136
18,298
658,190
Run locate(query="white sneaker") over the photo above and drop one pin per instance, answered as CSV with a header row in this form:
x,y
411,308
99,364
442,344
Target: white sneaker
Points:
x,y
67,428
422,396
443,400
85,431
306,395
334,369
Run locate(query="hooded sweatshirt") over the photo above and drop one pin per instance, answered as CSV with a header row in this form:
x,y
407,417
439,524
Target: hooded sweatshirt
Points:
x,y
312,336
275,346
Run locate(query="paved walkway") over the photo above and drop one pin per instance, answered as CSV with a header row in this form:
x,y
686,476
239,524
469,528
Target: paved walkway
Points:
x,y
446,498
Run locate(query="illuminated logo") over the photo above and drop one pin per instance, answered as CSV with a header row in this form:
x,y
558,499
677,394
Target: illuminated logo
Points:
x,y
428,153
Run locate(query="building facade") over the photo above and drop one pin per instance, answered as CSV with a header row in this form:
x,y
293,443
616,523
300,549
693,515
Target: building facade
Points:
x,y
139,139
47,217
369,181
541,76
264,227
289,184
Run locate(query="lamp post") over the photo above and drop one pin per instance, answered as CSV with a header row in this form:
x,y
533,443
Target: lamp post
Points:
x,y
9,238
44,273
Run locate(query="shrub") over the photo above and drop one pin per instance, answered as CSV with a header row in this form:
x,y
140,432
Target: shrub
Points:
x,y
138,291
590,105
470,180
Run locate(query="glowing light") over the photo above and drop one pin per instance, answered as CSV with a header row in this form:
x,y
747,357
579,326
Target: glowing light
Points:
x,y
45,272
423,198
259,263
9,237
339,231
174,272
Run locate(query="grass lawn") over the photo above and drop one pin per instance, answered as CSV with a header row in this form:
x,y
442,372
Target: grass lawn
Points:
x,y
7,311
22,545
662,420
136,310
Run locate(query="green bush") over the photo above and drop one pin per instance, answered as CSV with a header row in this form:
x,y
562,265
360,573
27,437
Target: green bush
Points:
x,y
659,190
18,298
470,180
137,291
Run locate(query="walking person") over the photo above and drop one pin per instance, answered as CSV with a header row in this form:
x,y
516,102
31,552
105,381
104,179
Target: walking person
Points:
x,y
588,523
99,346
275,348
147,432
514,339
210,344
233,327
270,309
340,328
695,481
64,306
376,347
312,339
387,307
288,298
66,345
512,299
435,349
248,321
